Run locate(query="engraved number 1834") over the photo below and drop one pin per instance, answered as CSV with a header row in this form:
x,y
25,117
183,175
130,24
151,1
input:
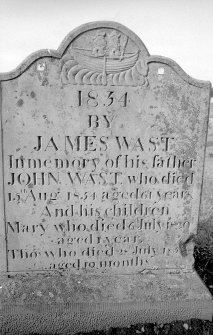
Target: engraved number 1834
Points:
x,y
92,99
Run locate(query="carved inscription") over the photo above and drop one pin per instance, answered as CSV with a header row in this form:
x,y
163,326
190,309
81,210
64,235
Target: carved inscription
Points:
x,y
100,170
100,196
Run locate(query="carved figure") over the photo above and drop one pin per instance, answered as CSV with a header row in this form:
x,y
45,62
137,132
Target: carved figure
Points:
x,y
99,44
114,44
105,63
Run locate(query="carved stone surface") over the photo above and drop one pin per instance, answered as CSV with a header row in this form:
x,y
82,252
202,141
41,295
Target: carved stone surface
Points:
x,y
102,162
104,57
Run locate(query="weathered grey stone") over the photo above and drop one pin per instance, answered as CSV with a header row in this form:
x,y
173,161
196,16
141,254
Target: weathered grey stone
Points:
x,y
102,156
207,192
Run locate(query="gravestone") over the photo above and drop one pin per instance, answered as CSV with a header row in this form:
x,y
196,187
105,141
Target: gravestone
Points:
x,y
102,161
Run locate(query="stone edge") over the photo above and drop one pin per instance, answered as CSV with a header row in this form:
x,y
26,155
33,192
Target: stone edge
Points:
x,y
182,309
93,25
3,254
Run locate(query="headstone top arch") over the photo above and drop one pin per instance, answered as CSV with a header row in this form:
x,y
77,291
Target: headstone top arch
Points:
x,y
126,39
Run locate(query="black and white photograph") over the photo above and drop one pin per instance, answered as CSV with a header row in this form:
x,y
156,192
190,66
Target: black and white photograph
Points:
x,y
106,160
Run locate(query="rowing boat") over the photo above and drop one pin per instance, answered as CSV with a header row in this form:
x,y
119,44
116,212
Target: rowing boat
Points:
x,y
105,63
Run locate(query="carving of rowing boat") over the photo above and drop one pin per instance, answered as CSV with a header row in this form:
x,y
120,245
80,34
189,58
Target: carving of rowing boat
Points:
x,y
104,63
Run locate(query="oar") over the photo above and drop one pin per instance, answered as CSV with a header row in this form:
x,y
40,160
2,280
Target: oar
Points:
x,y
123,46
104,77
